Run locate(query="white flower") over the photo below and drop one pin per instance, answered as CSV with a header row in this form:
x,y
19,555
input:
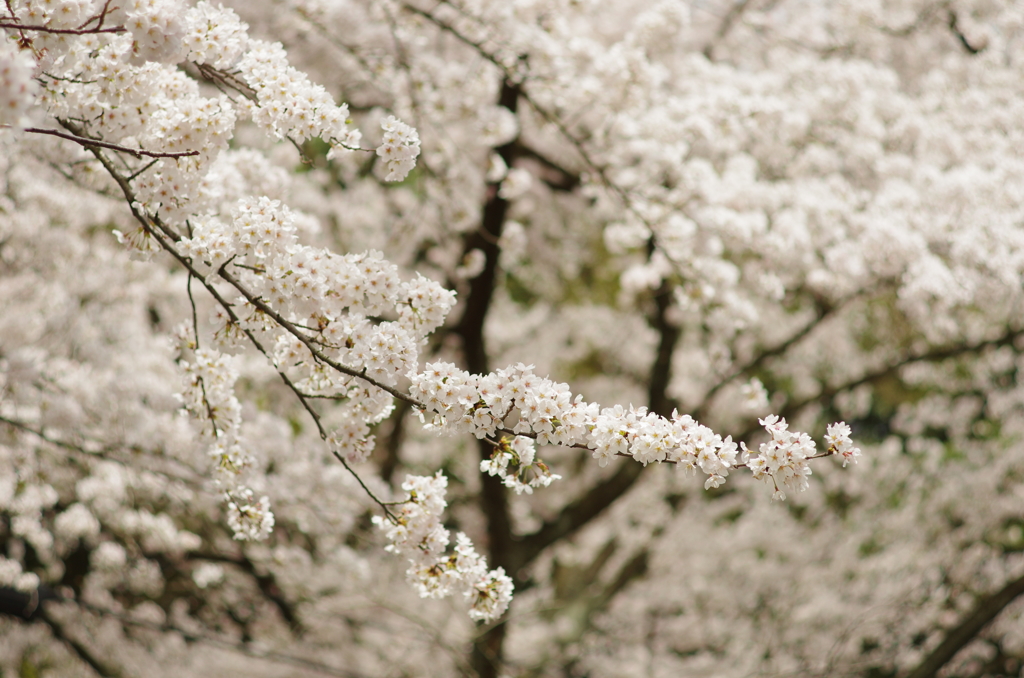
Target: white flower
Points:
x,y
399,148
250,519
838,439
417,533
713,481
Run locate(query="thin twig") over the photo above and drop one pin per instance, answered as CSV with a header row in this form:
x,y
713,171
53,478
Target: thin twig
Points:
x,y
195,320
98,18
383,505
142,169
87,142
311,343
72,31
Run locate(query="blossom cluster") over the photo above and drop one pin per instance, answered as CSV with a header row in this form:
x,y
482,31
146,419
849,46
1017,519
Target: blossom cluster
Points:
x,y
215,36
546,411
121,87
351,438
354,309
784,457
208,395
175,188
139,103
839,442
480,404
417,533
250,518
288,103
157,28
338,299
67,14
517,465
399,148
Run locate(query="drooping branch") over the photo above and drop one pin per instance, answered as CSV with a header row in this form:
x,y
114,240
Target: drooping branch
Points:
x,y
166,238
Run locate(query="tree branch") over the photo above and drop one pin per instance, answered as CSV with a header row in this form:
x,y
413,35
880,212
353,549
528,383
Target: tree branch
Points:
x,y
267,584
88,143
579,512
823,311
984,612
724,26
72,31
556,177
954,26
933,355
100,666
166,238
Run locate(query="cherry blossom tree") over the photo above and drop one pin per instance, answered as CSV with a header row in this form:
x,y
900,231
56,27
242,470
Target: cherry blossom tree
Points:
x,y
386,337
